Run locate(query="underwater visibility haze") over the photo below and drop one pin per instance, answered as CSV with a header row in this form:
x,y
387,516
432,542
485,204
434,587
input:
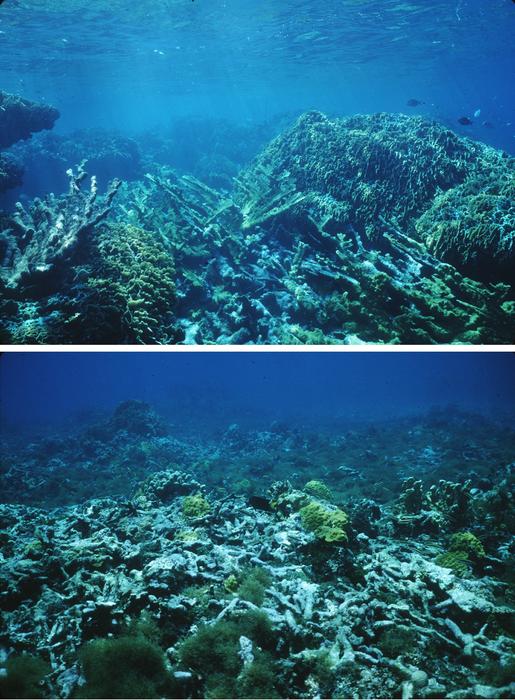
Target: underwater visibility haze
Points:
x,y
281,172
257,525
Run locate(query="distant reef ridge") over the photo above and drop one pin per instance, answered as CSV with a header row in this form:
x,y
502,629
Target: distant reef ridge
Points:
x,y
370,229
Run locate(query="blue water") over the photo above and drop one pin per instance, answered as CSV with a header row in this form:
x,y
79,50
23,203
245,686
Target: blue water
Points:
x,y
138,65
211,389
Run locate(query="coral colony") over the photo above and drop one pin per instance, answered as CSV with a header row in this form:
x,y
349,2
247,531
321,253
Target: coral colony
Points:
x,y
380,228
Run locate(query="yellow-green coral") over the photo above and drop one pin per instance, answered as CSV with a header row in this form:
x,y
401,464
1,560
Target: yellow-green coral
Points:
x,y
231,583
468,543
131,285
458,562
328,524
318,489
195,506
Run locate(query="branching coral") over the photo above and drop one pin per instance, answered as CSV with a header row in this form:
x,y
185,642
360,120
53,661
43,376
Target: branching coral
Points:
x,y
44,238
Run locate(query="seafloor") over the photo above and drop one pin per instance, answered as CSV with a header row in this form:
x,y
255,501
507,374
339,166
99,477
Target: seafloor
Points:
x,y
350,560
382,228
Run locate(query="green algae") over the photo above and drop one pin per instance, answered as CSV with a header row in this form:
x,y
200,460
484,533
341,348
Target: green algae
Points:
x,y
213,653
24,677
124,667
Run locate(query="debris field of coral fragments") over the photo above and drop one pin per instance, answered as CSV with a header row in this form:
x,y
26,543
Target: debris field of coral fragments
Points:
x,y
381,228
286,583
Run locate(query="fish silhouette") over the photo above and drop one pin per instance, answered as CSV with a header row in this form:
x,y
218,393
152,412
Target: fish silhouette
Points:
x,y
414,103
465,121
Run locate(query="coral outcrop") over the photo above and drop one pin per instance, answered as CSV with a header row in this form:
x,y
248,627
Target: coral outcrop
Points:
x,y
19,119
44,239
472,226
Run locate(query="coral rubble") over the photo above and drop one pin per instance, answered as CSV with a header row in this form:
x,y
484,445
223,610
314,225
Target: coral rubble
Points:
x,y
192,590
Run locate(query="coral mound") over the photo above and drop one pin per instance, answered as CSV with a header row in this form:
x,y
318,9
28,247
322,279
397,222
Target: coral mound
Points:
x,y
378,165
384,169
473,226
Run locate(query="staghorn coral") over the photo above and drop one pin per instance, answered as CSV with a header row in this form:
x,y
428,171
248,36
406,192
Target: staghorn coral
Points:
x,y
319,244
43,239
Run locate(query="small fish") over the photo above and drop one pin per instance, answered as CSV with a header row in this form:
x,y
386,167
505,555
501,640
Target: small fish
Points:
x,y
414,103
260,503
487,125
465,121
477,113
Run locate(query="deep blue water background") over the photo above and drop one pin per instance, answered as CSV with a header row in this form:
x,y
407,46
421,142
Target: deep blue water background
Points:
x,y
208,390
139,65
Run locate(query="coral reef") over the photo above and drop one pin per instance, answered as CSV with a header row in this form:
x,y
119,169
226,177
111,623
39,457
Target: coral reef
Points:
x,y
11,173
107,154
45,237
244,597
366,168
328,236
